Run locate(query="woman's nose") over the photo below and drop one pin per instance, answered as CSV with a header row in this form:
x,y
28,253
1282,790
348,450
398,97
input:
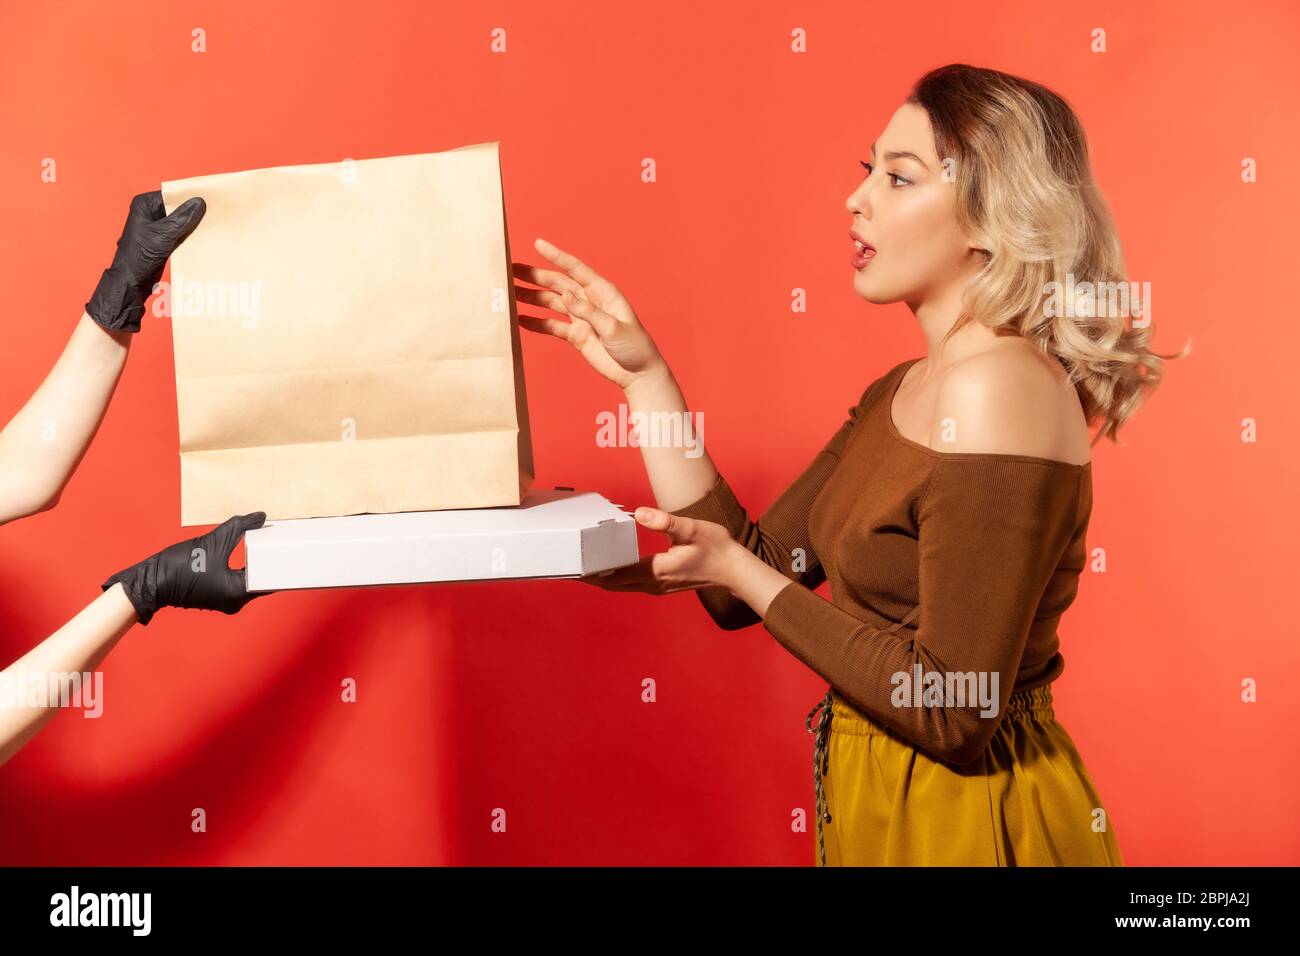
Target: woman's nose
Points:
x,y
857,203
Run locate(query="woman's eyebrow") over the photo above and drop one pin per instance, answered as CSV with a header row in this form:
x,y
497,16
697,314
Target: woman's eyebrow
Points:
x,y
900,155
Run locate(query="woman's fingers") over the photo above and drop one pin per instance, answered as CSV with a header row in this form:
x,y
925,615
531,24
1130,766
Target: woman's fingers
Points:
x,y
614,585
660,573
567,261
541,297
576,331
675,526
634,577
589,285
545,325
573,305
606,325
546,278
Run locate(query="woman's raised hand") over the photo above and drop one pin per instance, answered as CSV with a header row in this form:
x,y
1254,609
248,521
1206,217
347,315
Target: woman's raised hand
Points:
x,y
601,324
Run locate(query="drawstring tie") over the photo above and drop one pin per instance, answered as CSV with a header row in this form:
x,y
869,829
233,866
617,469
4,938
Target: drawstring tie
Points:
x,y
821,766
821,745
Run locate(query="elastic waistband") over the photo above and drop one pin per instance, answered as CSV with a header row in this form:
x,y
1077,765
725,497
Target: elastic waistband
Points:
x,y
1036,701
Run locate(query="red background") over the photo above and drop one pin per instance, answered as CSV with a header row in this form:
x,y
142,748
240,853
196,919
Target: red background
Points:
x,y
526,696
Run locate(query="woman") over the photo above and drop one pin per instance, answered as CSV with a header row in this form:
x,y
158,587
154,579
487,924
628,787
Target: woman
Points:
x,y
42,445
948,512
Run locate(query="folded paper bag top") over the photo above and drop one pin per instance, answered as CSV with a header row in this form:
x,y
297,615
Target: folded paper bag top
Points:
x,y
347,340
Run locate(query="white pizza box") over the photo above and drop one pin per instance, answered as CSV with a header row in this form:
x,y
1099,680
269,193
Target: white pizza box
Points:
x,y
560,533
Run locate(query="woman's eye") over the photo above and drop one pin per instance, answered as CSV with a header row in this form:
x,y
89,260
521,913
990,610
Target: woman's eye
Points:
x,y
892,176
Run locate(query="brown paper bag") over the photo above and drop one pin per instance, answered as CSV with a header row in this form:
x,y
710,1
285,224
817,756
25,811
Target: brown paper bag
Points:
x,y
347,340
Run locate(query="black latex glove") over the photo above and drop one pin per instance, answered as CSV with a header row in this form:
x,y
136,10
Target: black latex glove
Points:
x,y
194,573
148,238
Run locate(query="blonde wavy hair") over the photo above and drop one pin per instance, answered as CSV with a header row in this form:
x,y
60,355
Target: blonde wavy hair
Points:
x,y
1026,195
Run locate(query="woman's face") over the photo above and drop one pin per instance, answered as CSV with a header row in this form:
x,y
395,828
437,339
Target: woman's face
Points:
x,y
905,209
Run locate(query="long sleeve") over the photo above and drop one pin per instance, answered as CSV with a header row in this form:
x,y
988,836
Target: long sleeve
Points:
x,y
991,534
780,537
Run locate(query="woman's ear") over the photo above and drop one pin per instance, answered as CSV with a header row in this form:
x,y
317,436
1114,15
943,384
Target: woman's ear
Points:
x,y
979,246
975,239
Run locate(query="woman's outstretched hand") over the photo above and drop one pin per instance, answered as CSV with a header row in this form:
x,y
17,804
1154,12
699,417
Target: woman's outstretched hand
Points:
x,y
601,324
702,555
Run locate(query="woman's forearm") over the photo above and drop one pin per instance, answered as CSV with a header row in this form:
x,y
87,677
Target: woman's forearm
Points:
x,y
42,445
753,580
679,470
76,648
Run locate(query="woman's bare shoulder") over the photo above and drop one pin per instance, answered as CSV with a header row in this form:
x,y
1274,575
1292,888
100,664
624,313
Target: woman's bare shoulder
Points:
x,y
1012,401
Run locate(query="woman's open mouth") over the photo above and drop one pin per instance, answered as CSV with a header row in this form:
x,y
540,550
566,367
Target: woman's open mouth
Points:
x,y
863,252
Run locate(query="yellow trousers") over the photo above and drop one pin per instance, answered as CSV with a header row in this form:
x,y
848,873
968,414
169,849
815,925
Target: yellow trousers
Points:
x,y
1026,801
